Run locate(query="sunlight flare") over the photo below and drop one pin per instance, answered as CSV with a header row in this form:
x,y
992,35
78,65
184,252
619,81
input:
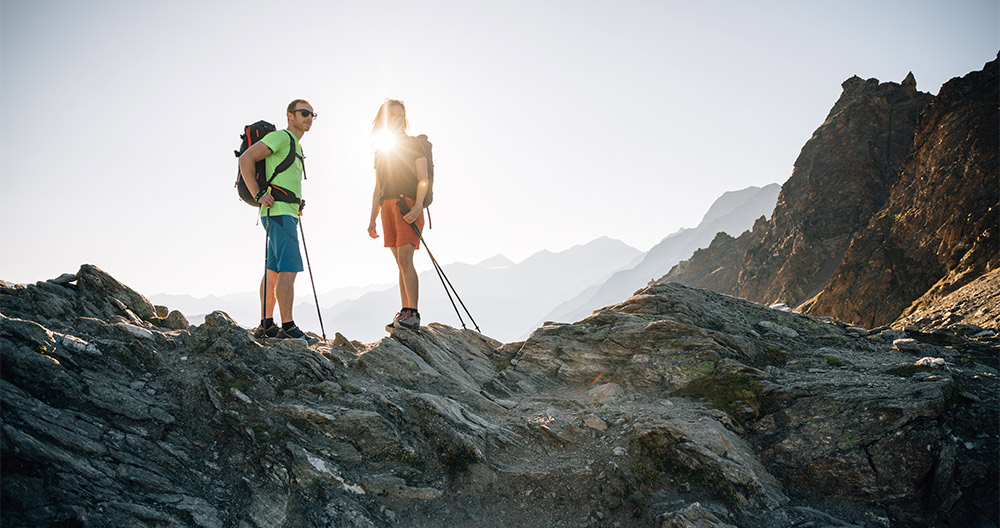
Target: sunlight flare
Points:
x,y
385,141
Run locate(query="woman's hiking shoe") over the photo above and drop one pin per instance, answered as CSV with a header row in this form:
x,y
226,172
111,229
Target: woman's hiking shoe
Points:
x,y
409,320
270,332
295,333
392,325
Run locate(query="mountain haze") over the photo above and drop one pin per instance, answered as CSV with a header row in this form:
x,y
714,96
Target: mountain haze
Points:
x,y
244,307
733,213
505,299
512,298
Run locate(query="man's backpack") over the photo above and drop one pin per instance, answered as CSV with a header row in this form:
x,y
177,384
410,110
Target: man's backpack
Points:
x,y
251,135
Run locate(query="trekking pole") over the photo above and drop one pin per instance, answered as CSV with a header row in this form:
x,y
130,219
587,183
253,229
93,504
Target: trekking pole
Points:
x,y
441,277
311,281
263,301
405,208
445,277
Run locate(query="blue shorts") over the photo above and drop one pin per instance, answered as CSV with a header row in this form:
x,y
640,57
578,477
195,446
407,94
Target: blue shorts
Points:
x,y
282,243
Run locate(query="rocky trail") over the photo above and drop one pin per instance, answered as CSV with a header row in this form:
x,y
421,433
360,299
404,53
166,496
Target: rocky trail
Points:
x,y
677,407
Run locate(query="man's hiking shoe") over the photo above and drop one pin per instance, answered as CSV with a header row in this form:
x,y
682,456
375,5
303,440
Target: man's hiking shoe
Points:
x,y
261,332
409,320
295,333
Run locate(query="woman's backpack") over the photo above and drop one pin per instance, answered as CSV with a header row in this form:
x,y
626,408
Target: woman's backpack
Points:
x,y
429,197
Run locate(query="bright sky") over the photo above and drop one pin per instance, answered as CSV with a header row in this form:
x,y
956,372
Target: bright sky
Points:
x,y
553,123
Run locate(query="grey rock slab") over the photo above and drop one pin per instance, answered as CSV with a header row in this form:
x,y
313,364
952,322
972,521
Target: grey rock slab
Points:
x,y
704,446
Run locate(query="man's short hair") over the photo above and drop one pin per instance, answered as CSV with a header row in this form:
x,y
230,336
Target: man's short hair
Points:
x,y
291,105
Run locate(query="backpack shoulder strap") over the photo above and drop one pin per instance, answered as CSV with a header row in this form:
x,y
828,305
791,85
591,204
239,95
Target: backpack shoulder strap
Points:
x,y
289,159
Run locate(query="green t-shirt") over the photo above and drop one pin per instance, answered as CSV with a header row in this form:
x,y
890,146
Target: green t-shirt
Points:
x,y
291,178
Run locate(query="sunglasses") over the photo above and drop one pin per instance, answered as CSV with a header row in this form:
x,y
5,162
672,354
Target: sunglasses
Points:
x,y
306,113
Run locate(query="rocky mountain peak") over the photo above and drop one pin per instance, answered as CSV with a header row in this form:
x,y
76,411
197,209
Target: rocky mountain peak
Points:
x,y
677,407
841,177
892,207
938,228
855,86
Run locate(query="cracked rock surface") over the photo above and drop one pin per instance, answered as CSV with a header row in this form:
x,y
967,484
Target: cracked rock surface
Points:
x,y
676,407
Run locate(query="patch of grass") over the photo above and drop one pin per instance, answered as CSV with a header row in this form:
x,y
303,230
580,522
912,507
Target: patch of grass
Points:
x,y
773,355
727,393
643,474
264,434
850,440
636,485
834,362
238,384
396,456
458,458
722,488
699,370
226,388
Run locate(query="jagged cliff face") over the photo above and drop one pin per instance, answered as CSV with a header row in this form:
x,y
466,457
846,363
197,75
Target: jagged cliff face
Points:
x,y
675,408
938,230
893,205
714,267
841,177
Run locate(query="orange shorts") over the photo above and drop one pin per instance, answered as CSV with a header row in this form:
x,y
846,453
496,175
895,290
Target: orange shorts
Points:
x,y
395,230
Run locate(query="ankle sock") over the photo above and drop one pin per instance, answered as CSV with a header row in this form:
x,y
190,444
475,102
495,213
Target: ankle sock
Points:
x,y
267,323
288,326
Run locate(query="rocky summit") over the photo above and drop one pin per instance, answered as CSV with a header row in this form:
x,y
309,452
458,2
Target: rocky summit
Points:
x,y
677,407
892,207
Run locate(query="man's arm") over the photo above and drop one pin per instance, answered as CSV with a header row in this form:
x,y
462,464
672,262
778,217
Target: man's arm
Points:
x,y
248,159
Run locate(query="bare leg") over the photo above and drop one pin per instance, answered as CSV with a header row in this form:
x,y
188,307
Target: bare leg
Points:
x,y
267,298
284,289
409,286
402,283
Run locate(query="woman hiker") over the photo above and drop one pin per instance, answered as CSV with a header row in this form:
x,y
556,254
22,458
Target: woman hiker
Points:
x,y
400,174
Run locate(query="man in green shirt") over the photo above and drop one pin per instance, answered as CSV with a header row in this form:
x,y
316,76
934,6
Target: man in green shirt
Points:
x,y
280,219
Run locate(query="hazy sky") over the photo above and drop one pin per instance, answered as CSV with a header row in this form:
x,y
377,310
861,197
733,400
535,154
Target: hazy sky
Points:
x,y
553,123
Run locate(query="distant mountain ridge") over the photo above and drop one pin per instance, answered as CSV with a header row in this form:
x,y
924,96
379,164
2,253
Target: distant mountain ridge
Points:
x,y
505,299
244,307
504,296
733,213
892,205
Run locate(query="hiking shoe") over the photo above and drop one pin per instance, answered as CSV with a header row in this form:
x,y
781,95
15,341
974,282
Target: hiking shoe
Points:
x,y
409,320
261,332
295,333
392,325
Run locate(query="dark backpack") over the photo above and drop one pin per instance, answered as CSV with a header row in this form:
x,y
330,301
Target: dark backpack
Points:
x,y
251,135
429,197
